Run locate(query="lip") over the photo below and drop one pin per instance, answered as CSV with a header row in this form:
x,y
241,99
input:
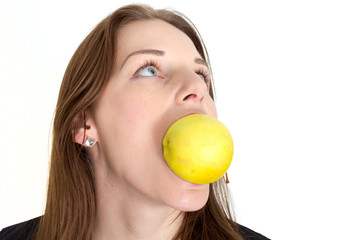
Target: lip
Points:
x,y
183,180
192,113
190,183
193,184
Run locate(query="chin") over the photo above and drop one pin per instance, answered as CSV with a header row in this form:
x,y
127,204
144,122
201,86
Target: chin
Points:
x,y
193,199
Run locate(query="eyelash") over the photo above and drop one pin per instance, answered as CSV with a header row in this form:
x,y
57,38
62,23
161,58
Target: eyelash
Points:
x,y
148,63
205,74
151,63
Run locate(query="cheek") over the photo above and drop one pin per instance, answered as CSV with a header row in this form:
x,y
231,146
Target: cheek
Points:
x,y
126,122
129,112
126,139
210,107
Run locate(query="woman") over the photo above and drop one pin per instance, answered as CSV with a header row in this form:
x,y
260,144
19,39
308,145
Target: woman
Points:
x,y
135,74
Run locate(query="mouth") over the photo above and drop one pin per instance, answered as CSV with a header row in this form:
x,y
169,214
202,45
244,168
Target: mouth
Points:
x,y
192,113
193,184
183,115
187,182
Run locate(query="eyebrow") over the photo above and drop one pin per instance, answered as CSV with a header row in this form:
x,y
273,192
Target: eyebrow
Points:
x,y
158,53
144,51
201,61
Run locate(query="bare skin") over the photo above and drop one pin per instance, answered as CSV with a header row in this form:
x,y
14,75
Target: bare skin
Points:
x,y
159,77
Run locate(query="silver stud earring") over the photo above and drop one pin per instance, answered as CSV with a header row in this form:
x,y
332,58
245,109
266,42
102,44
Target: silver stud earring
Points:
x,y
90,142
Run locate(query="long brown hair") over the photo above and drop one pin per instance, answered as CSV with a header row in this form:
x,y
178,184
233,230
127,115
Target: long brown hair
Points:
x,y
70,207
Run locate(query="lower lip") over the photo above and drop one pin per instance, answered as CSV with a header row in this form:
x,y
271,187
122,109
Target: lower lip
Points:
x,y
193,184
190,183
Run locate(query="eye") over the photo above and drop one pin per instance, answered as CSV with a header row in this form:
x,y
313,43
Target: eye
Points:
x,y
204,75
149,69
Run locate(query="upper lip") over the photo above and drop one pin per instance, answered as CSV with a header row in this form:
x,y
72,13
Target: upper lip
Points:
x,y
184,114
194,112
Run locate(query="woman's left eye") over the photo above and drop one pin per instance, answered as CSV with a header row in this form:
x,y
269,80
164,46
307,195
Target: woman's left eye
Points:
x,y
147,71
205,76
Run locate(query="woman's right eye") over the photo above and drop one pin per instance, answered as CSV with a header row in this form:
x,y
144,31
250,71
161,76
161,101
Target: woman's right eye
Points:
x,y
147,71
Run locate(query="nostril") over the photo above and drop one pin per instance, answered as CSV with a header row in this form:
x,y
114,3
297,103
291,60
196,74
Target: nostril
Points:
x,y
189,96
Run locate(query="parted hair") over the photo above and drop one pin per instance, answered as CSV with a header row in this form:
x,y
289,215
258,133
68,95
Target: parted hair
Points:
x,y
70,207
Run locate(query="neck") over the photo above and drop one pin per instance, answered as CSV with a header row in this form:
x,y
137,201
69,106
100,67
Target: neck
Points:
x,y
129,215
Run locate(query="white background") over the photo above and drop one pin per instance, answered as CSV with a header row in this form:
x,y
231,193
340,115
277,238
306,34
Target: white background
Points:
x,y
287,77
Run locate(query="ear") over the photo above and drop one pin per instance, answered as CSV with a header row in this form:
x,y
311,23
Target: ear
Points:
x,y
84,131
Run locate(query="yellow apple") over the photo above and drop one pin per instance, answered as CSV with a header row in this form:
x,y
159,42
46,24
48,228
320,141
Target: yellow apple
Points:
x,y
198,148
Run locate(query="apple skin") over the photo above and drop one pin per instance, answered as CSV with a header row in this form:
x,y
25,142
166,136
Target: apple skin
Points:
x,y
198,148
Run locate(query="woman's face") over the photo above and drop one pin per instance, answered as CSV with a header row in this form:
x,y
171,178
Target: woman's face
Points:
x,y
158,78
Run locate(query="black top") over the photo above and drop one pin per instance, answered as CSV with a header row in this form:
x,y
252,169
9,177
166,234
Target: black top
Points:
x,y
20,231
24,231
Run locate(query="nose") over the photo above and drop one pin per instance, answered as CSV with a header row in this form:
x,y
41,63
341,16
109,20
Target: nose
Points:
x,y
191,88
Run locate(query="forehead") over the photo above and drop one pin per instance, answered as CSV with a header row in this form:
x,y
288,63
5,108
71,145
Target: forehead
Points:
x,y
153,34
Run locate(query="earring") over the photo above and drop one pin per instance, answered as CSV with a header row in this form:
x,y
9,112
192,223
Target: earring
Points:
x,y
89,142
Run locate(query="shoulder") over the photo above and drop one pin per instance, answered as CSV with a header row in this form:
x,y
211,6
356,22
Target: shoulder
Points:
x,y
249,234
20,231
